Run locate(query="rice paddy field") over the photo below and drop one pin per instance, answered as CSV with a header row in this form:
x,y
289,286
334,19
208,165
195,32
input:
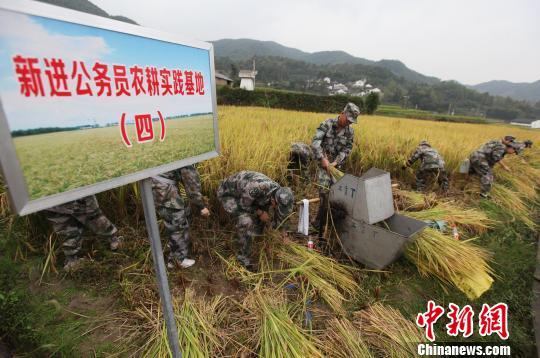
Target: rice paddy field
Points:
x,y
301,302
57,162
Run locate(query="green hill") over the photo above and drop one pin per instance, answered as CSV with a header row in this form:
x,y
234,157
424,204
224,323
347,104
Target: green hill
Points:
x,y
88,7
521,91
245,49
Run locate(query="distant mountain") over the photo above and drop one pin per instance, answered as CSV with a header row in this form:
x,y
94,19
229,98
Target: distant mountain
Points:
x,y
520,91
244,49
88,7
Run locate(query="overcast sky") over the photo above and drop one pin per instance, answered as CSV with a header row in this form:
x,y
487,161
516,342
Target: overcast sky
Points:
x,y
470,41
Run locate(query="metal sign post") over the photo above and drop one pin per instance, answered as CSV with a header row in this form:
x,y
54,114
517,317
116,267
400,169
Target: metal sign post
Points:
x,y
159,264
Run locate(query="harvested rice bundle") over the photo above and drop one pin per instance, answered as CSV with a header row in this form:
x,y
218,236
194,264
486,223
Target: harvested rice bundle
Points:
x,y
343,340
335,172
525,183
460,263
507,199
278,335
389,331
513,203
412,200
322,273
196,321
472,219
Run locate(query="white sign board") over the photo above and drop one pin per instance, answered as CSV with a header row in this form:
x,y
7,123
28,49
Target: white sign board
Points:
x,y
88,103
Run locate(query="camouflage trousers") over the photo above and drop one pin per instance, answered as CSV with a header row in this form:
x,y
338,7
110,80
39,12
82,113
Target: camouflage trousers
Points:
x,y
69,224
324,180
174,212
248,225
480,166
426,176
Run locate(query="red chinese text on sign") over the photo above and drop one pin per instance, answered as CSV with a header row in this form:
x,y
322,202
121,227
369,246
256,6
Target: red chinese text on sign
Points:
x,y
83,84
120,80
189,85
29,76
137,83
165,81
152,81
145,130
199,83
494,320
178,82
148,80
428,319
103,82
56,74
460,320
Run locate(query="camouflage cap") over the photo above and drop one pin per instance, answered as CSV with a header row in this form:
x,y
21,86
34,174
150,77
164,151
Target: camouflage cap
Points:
x,y
285,200
352,111
425,142
509,138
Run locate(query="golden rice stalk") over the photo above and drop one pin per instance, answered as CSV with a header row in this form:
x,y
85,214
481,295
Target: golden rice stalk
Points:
x,y
196,321
154,332
233,269
278,335
472,219
335,172
322,273
512,202
413,200
343,340
459,263
389,331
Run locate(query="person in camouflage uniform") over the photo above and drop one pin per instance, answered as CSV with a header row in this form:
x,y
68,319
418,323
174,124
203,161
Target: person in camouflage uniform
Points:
x,y
69,221
331,145
174,211
431,166
484,158
299,159
247,197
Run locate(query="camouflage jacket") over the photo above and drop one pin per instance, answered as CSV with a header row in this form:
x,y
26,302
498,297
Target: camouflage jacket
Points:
x,y
493,152
189,178
86,205
251,190
430,158
302,150
333,142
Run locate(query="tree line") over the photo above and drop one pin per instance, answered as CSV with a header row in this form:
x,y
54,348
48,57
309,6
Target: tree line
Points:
x,y
442,97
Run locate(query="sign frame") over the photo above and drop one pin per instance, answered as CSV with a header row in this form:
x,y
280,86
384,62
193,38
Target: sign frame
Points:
x,y
9,164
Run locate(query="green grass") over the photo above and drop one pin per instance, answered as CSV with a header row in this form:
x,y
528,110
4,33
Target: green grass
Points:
x,y
397,111
57,162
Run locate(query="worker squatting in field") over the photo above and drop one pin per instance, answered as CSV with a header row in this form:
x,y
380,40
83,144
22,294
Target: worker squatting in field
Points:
x,y
431,166
300,158
69,221
247,198
484,158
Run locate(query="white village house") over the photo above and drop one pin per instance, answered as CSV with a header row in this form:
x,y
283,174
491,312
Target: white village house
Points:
x,y
526,122
247,78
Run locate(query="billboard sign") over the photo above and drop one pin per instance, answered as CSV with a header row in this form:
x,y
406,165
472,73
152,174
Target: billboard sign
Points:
x,y
88,103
